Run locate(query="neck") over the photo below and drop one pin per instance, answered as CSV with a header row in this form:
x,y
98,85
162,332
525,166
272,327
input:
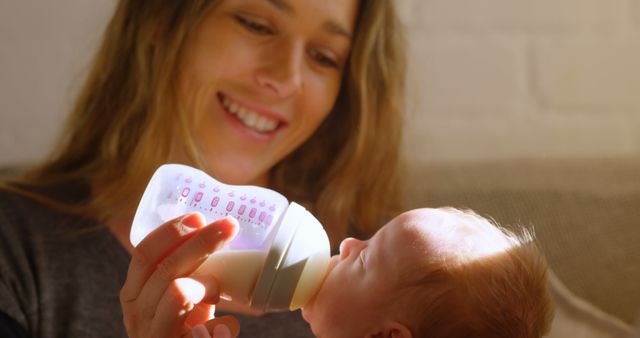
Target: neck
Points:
x,y
118,225
120,228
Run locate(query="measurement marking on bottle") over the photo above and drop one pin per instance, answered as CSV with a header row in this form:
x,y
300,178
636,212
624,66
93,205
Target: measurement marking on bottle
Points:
x,y
185,192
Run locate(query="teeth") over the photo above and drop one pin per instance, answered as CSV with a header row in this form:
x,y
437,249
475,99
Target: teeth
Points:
x,y
250,118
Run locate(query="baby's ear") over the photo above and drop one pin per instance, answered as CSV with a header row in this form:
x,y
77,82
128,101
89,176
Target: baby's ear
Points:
x,y
391,329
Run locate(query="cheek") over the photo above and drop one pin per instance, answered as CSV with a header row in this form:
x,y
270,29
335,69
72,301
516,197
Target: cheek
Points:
x,y
316,104
323,92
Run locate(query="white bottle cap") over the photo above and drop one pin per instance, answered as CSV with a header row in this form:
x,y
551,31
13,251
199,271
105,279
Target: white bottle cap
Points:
x,y
296,263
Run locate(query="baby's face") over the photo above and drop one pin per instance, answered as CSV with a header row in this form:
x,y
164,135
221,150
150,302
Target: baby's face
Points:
x,y
362,281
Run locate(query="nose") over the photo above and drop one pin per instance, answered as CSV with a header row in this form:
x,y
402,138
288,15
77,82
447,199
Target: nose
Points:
x,y
348,245
281,72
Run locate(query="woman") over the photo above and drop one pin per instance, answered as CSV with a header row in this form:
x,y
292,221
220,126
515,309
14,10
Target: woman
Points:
x,y
303,97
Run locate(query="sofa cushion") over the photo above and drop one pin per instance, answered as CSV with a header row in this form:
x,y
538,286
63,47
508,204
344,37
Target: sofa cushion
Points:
x,y
585,214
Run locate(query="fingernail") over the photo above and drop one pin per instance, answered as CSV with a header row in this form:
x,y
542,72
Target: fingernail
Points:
x,y
193,220
221,331
229,227
200,331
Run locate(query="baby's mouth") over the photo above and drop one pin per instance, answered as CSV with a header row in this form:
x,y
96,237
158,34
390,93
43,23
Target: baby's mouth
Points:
x,y
251,119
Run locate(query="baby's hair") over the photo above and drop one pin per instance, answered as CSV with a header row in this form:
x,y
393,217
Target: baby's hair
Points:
x,y
480,292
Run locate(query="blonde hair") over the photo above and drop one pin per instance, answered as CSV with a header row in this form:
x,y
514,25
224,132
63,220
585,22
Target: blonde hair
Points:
x,y
360,187
503,295
123,125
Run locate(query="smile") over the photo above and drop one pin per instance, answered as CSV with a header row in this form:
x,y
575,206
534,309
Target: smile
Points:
x,y
248,117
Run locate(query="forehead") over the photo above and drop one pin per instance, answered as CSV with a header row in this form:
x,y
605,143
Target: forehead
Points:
x,y
338,9
400,241
414,243
439,234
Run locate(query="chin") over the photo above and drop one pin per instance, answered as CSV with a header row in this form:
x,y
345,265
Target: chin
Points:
x,y
306,314
240,175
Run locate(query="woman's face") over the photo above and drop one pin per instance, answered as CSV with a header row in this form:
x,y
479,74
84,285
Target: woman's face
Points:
x,y
259,76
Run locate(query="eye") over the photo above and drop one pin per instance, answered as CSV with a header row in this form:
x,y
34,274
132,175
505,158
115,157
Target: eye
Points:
x,y
323,59
253,25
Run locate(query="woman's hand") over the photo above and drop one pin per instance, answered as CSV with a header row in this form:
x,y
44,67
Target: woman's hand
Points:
x,y
158,299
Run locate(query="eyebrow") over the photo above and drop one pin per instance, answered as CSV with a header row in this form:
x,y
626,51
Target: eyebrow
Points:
x,y
329,26
337,29
282,5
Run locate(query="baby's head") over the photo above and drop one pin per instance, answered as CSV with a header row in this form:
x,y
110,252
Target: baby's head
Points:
x,y
434,273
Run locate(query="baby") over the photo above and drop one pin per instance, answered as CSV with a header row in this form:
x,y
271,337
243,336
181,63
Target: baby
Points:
x,y
434,273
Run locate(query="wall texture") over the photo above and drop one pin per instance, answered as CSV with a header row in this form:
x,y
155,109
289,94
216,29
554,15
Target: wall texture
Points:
x,y
523,78
490,79
45,47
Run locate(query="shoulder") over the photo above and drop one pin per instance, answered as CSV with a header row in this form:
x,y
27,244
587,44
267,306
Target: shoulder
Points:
x,y
55,265
17,290
26,227
15,210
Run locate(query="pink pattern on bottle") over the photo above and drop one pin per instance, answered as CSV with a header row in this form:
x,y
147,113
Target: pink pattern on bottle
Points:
x,y
185,192
198,197
252,213
230,206
214,202
242,209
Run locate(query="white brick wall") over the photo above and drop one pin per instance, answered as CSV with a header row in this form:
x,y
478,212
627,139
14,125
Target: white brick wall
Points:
x,y
44,48
514,15
523,78
488,78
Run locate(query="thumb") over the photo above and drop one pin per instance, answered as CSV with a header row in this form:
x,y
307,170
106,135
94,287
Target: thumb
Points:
x,y
228,325
221,327
221,331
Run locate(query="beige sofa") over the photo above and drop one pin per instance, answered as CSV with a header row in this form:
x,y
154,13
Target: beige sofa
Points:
x,y
586,215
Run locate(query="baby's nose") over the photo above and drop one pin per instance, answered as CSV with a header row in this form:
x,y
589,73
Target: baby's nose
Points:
x,y
346,246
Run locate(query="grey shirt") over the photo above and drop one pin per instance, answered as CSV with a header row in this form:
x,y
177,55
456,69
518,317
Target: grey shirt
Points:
x,y
60,276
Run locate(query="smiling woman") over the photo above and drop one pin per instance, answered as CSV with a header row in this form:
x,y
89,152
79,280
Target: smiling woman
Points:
x,y
258,79
304,97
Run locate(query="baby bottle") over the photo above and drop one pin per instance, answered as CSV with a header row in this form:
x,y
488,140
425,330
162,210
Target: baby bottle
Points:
x,y
277,260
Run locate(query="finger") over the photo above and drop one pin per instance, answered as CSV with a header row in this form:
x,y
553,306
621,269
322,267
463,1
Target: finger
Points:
x,y
201,313
216,328
153,248
229,322
212,295
184,260
175,306
205,310
200,331
221,331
